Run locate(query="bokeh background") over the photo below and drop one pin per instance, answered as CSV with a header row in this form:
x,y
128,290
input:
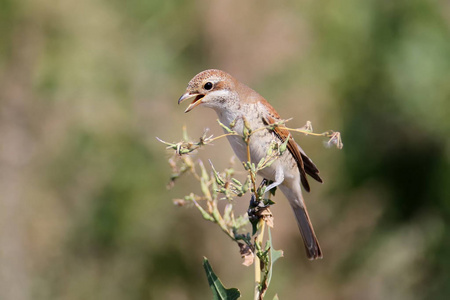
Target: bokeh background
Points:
x,y
86,86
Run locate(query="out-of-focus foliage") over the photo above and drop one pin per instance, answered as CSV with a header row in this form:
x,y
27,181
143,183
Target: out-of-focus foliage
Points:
x,y
86,86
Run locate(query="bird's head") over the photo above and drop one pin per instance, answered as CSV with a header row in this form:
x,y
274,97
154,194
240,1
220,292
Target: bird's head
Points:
x,y
211,88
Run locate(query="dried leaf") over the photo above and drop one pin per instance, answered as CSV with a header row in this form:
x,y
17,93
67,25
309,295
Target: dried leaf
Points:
x,y
179,202
246,254
307,127
266,215
335,139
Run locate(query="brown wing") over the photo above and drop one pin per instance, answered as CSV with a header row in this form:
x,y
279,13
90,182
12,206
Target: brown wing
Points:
x,y
310,167
304,163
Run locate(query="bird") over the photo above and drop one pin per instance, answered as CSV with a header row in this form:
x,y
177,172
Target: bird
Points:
x,y
235,103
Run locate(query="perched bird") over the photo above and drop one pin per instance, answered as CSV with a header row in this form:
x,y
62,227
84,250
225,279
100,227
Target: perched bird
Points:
x,y
233,101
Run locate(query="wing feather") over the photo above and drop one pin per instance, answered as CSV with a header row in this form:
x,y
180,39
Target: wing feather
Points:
x,y
304,163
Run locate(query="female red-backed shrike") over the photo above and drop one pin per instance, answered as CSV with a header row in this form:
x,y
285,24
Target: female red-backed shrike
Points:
x,y
232,100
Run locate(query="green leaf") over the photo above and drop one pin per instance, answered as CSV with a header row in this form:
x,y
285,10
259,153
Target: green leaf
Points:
x,y
233,123
237,182
228,130
204,213
247,132
268,202
217,176
204,181
185,134
254,226
283,146
276,297
274,256
272,192
219,291
171,145
227,213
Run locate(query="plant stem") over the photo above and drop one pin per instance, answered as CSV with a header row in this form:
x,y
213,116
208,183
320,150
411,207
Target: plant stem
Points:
x,y
259,240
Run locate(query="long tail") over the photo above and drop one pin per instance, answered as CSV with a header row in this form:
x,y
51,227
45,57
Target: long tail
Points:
x,y
312,246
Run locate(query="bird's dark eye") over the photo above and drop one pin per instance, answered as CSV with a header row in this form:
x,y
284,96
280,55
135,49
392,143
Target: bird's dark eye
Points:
x,y
208,86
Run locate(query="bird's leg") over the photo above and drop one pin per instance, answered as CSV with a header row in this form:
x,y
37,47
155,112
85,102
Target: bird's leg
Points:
x,y
279,178
263,183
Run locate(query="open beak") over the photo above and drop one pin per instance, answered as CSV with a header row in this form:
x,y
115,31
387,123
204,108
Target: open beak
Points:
x,y
196,102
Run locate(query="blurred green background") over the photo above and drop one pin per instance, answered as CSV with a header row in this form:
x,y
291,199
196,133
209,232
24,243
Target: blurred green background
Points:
x,y
86,86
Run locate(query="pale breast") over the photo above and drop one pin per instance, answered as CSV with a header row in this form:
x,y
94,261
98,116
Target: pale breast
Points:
x,y
260,141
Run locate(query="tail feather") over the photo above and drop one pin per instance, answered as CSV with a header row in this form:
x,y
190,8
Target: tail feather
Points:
x,y
312,246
